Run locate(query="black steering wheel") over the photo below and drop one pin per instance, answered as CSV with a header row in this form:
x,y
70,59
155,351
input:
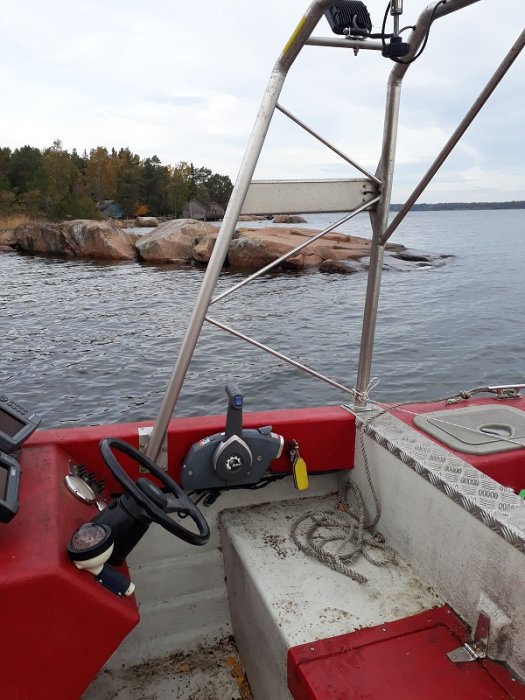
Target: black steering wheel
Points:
x,y
178,501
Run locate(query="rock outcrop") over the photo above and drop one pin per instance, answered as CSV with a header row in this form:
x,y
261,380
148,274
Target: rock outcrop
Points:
x,y
403,260
134,236
342,266
80,238
186,241
259,246
146,222
288,219
420,256
174,241
7,237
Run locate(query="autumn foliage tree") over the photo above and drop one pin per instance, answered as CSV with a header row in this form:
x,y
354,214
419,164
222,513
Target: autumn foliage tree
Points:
x,y
58,184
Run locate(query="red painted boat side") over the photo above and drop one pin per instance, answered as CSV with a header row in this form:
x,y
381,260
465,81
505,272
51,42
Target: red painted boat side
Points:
x,y
507,468
326,436
401,660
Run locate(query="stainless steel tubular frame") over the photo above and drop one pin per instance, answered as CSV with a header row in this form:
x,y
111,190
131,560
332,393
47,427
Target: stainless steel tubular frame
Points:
x,y
385,172
333,148
283,64
355,44
295,250
280,355
467,120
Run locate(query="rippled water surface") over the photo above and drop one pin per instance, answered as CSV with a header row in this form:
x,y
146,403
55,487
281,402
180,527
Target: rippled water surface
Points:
x,y
87,343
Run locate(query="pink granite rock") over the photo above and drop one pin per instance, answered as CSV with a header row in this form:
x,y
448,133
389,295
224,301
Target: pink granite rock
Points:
x,y
174,241
81,238
256,247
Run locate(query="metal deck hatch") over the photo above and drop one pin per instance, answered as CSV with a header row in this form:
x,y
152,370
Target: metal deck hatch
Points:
x,y
478,430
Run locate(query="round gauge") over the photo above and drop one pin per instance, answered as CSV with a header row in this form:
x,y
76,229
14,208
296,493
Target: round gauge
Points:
x,y
80,489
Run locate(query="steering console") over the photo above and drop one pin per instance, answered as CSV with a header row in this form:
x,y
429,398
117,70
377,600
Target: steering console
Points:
x,y
143,502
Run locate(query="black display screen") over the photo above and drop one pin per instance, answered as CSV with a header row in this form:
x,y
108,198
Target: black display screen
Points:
x,y
10,425
4,471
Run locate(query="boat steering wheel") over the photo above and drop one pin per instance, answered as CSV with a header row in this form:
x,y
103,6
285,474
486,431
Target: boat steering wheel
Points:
x,y
150,499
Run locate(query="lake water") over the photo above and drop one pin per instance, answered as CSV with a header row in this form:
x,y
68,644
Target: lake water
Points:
x,y
84,343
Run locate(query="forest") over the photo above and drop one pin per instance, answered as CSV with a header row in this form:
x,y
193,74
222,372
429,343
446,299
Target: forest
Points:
x,y
56,184
456,206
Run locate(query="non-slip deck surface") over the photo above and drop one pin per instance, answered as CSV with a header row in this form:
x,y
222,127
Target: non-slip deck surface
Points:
x,y
206,673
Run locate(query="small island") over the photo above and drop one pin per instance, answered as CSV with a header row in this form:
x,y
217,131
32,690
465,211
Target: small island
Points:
x,y
190,242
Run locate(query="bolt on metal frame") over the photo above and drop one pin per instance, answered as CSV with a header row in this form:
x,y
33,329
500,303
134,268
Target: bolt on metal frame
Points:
x,y
378,205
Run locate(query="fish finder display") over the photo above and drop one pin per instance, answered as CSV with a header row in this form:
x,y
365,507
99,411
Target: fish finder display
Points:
x,y
10,425
16,424
9,487
3,481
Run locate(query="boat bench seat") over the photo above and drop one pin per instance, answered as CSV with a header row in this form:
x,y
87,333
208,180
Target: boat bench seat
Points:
x,y
280,598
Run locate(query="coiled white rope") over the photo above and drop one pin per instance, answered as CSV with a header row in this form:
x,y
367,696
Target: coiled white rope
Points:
x,y
346,525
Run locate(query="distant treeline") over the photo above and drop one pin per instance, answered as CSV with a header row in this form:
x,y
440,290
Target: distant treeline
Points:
x,y
454,206
56,184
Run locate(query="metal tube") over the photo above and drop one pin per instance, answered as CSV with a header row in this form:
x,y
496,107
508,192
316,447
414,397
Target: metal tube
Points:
x,y
275,353
436,10
385,171
458,133
328,144
302,33
251,156
379,220
216,262
295,250
356,44
396,7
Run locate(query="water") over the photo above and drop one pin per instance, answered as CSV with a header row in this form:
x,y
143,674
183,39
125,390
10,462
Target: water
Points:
x,y
85,343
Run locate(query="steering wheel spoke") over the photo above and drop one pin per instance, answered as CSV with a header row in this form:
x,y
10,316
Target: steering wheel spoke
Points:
x,y
177,499
178,505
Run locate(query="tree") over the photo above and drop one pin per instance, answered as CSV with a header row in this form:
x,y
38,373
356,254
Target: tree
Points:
x,y
220,188
7,202
179,187
129,182
55,178
155,179
59,184
31,203
5,160
24,163
101,174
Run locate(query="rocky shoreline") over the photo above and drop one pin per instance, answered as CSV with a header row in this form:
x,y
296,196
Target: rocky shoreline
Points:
x,y
190,242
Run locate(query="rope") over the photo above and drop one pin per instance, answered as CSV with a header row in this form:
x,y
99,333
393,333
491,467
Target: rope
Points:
x,y
346,525
364,395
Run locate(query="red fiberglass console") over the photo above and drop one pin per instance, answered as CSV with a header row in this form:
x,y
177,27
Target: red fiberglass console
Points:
x,y
59,626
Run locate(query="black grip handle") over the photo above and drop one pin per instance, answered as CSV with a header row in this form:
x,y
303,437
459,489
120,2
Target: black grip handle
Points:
x,y
234,413
234,396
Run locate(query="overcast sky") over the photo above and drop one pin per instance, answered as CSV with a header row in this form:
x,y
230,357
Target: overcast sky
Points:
x,y
183,80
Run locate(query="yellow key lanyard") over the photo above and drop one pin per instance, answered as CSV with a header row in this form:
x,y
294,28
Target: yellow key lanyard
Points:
x,y
299,468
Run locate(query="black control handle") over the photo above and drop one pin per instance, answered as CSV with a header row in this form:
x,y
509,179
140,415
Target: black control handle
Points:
x,y
234,412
